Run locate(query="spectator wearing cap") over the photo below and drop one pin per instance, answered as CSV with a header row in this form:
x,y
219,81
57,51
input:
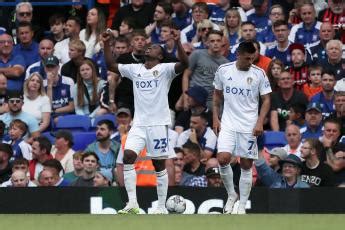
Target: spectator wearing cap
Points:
x,y
276,154
307,31
103,178
11,66
5,166
15,100
326,96
202,66
55,167
90,165
196,103
59,88
315,172
26,46
259,16
213,177
105,148
3,90
201,134
124,122
282,100
41,148
289,178
313,119
298,68
62,150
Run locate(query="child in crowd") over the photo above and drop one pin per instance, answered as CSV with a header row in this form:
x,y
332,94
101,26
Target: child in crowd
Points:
x,y
296,115
21,149
314,86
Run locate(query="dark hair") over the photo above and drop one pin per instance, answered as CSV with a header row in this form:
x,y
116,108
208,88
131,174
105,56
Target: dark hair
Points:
x,y
56,18
335,121
122,39
65,134
2,128
44,143
328,71
280,23
193,147
53,163
75,19
24,24
315,144
246,47
202,115
7,149
138,33
110,125
20,161
299,108
166,7
130,22
201,5
220,33
248,23
87,154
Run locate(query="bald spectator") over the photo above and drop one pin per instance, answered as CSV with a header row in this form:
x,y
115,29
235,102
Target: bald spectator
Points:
x,y
318,49
294,138
19,179
46,178
11,66
22,165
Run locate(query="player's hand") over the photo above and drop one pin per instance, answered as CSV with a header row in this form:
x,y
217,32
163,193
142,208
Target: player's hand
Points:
x,y
216,125
258,129
176,34
193,137
105,36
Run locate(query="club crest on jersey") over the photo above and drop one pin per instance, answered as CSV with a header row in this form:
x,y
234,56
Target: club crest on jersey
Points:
x,y
249,80
155,73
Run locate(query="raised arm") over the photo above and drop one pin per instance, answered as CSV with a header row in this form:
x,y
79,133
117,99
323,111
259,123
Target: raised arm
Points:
x,y
109,59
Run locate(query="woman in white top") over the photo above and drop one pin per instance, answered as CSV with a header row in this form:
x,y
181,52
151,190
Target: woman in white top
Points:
x,y
87,91
36,102
95,25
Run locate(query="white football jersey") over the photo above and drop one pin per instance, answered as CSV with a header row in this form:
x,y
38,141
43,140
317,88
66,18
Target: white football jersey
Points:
x,y
150,87
241,90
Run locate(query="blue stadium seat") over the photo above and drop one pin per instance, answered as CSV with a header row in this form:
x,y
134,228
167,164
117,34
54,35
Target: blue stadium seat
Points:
x,y
74,122
274,139
109,116
82,140
49,136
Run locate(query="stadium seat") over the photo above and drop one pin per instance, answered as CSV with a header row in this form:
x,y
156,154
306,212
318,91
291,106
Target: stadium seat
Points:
x,y
82,140
74,122
108,116
274,139
50,136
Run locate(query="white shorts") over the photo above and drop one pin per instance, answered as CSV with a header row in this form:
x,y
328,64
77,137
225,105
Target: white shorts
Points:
x,y
155,138
243,145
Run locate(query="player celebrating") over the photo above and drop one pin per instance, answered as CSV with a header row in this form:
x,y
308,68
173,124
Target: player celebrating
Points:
x,y
240,83
151,82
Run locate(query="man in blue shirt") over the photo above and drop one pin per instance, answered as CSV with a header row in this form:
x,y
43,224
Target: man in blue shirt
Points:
x,y
313,119
326,96
12,66
26,47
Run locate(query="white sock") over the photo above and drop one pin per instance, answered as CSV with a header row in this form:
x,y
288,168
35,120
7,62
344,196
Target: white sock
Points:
x,y
227,176
130,179
162,187
245,186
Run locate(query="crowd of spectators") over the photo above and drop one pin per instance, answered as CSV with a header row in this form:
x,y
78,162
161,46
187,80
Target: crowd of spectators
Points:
x,y
48,74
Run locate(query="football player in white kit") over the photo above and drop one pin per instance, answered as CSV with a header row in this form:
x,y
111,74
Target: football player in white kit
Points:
x,y
240,84
151,83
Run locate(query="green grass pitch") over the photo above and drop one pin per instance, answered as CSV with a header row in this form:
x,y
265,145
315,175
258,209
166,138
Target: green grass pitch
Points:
x,y
175,222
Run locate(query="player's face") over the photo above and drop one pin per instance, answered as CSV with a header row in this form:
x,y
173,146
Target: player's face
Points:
x,y
307,14
281,33
245,60
90,164
214,43
297,57
334,52
293,136
331,131
248,32
25,34
6,44
154,51
313,118
46,48
85,71
15,132
99,181
326,31
102,132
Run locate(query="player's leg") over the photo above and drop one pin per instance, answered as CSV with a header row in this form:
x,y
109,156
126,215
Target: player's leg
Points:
x,y
162,185
226,174
245,184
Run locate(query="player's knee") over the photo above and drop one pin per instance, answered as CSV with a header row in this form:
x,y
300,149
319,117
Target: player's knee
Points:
x,y
223,158
129,157
246,163
159,165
